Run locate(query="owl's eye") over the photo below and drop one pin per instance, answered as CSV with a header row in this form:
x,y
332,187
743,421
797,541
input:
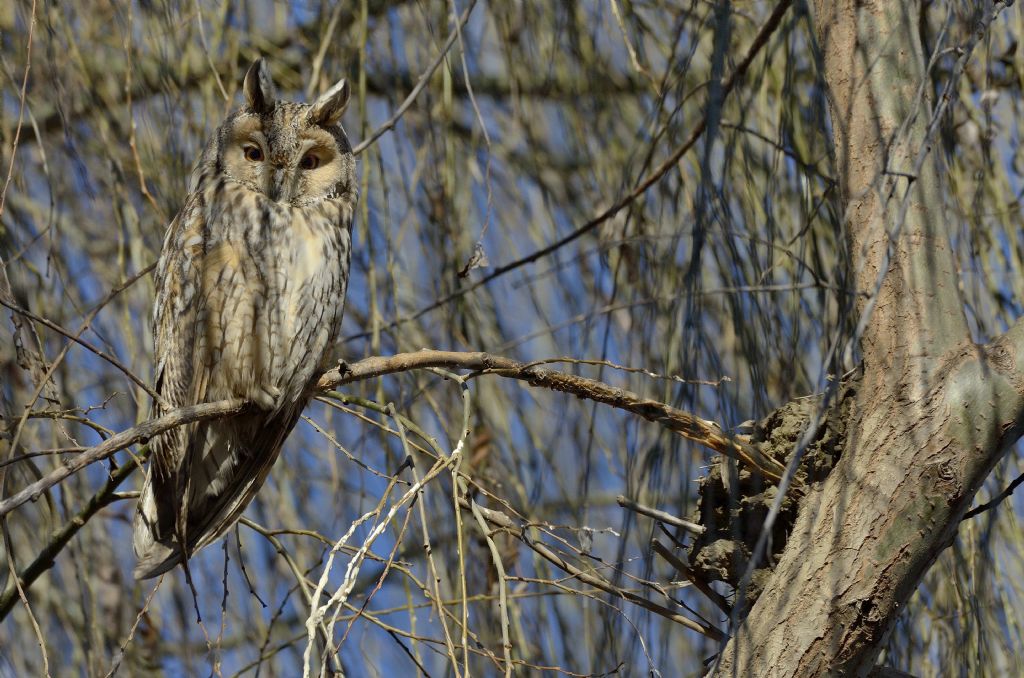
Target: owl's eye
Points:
x,y
309,161
253,153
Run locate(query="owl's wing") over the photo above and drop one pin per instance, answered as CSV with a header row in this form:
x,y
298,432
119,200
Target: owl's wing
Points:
x,y
180,373
225,464
176,319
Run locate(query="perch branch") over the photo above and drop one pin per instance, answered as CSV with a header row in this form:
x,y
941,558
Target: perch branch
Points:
x,y
706,433
115,443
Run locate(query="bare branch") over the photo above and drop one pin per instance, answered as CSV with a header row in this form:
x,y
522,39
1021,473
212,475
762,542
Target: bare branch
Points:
x,y
661,516
706,433
501,520
120,441
654,177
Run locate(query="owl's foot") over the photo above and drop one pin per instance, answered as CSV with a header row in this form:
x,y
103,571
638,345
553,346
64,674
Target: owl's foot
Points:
x,y
267,397
343,367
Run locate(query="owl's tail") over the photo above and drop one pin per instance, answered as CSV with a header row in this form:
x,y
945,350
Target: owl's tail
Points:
x,y
155,555
224,465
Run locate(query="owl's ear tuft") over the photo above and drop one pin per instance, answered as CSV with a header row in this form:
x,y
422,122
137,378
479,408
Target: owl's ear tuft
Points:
x,y
327,110
259,87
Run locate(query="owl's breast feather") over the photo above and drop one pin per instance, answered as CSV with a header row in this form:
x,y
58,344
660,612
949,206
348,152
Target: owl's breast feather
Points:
x,y
311,278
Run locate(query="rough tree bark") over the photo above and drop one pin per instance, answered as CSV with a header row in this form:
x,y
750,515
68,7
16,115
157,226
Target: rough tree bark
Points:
x,y
934,411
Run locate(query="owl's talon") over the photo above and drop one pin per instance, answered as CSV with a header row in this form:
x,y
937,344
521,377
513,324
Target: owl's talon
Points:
x,y
267,398
344,368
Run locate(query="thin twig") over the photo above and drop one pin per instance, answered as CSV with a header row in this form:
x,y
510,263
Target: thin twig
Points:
x,y
420,84
655,176
660,515
995,501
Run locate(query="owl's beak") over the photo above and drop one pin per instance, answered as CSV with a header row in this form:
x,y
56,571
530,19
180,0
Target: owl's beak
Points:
x,y
281,185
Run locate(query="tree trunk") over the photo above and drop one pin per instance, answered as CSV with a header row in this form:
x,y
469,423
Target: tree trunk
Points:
x,y
934,411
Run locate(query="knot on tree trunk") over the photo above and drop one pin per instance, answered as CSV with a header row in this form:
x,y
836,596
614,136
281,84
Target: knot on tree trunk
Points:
x,y
733,502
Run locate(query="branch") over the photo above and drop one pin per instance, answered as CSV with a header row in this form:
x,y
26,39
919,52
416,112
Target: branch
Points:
x,y
702,431
59,540
503,522
660,516
118,442
706,433
998,499
671,162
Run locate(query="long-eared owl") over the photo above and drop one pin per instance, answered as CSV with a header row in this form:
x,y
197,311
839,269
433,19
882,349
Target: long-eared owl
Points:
x,y
250,288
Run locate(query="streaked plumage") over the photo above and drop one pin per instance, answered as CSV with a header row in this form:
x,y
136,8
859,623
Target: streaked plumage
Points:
x,y
250,291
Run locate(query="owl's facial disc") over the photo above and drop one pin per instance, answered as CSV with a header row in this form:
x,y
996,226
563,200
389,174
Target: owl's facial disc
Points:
x,y
282,156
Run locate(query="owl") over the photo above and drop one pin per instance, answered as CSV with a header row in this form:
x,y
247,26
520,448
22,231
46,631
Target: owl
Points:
x,y
250,288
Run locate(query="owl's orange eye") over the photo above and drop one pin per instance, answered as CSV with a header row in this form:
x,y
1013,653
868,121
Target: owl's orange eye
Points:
x,y
253,153
309,161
